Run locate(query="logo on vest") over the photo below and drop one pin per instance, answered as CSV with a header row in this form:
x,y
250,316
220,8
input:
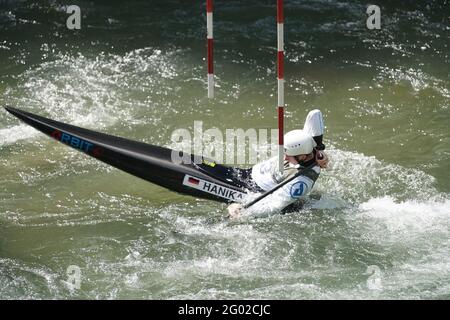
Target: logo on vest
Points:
x,y
298,189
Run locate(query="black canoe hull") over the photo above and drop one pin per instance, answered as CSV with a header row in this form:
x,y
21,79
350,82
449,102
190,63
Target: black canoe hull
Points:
x,y
149,162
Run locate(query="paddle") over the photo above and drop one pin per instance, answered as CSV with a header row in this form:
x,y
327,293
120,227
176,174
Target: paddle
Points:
x,y
265,194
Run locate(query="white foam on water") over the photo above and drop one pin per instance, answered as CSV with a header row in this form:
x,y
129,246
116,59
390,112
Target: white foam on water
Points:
x,y
416,228
90,92
229,248
409,216
23,280
16,133
356,178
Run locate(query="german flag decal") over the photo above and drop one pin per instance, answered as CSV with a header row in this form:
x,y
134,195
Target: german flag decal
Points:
x,y
213,188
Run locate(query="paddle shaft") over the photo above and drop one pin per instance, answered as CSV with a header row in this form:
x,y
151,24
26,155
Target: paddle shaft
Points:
x,y
265,194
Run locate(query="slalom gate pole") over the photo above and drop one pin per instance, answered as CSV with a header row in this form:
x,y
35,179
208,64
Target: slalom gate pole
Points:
x,y
280,80
209,37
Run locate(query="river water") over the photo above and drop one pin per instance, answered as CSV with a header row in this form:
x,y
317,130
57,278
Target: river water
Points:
x,y
377,225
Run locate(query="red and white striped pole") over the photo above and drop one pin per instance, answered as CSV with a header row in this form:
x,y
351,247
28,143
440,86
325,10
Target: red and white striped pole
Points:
x,y
280,63
209,27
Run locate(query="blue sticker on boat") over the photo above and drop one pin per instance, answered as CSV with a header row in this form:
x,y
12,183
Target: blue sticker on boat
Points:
x,y
298,189
77,143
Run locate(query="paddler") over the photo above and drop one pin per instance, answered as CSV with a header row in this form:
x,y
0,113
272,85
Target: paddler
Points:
x,y
302,148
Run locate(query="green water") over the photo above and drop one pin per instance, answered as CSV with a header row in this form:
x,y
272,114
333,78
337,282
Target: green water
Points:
x,y
137,70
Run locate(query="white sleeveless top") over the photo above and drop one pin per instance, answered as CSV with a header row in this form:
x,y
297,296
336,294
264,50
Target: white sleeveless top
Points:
x,y
267,176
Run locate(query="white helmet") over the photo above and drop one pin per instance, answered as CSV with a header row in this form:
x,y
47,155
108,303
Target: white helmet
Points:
x,y
298,142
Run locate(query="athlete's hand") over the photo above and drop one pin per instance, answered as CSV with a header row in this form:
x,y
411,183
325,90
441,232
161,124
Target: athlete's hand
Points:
x,y
322,159
234,210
